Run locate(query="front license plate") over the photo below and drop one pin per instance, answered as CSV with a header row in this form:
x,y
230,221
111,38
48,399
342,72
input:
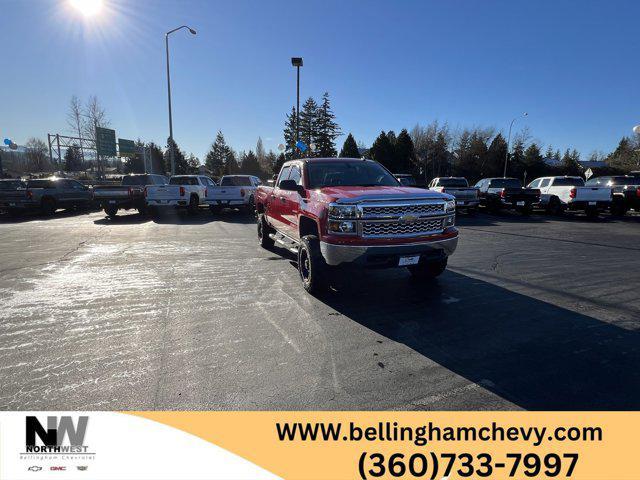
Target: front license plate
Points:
x,y
592,203
112,201
413,260
461,202
12,204
520,204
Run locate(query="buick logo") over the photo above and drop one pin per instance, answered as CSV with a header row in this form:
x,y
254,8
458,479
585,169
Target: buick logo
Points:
x,y
407,218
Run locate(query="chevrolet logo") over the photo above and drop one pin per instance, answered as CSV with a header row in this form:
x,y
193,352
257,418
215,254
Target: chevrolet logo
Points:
x,y
407,218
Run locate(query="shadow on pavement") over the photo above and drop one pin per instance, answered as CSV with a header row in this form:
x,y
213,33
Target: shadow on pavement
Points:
x,y
529,352
35,215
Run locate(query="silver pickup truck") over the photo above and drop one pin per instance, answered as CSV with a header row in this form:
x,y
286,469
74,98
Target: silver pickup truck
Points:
x,y
466,196
234,191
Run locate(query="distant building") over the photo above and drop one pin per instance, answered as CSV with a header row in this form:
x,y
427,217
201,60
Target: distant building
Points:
x,y
552,161
592,164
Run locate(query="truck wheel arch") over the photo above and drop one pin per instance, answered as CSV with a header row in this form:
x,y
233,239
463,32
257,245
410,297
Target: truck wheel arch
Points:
x,y
308,226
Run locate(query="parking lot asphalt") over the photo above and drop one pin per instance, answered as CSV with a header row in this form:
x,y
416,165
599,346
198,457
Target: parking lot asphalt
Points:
x,y
187,312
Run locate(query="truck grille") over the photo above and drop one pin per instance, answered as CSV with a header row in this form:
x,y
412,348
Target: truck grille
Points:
x,y
390,211
394,229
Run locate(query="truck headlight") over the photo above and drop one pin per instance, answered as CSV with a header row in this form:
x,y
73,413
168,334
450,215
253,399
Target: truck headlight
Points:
x,y
341,226
450,206
342,211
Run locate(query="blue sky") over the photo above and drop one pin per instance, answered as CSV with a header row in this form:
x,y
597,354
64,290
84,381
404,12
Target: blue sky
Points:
x,y
572,65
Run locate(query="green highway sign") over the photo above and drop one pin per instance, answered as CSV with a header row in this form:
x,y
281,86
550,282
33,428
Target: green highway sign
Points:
x,y
127,148
106,141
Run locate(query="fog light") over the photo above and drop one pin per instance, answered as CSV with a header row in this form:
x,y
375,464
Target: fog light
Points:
x,y
342,227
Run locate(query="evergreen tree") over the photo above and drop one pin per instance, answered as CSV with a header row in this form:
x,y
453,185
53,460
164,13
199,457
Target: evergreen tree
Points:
x,y
278,164
350,148
290,135
231,166
570,163
515,167
182,167
271,159
250,165
157,160
193,164
136,164
73,159
308,126
533,163
493,163
405,152
624,157
217,155
382,151
327,129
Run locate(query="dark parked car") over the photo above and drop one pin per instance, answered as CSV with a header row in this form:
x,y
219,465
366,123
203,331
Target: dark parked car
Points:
x,y
47,195
498,193
625,190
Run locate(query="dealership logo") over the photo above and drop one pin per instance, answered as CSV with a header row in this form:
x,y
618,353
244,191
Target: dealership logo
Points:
x,y
82,468
34,468
61,435
58,469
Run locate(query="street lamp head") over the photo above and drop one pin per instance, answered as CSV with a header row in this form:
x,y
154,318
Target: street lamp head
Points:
x,y
636,129
296,61
193,32
525,114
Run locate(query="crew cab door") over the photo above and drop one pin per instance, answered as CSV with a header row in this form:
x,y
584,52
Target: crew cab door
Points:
x,y
275,201
290,204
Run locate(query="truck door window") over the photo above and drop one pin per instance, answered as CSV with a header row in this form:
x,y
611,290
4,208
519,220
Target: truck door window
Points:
x,y
545,182
295,174
284,174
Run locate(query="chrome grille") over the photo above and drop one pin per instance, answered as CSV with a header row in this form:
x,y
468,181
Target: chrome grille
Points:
x,y
394,229
419,209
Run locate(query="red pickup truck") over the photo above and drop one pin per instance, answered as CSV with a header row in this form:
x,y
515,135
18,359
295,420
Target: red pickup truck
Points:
x,y
347,211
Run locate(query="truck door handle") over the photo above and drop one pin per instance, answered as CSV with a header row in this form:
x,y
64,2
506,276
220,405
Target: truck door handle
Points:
x,y
282,199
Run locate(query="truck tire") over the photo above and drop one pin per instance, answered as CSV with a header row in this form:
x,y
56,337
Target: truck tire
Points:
x,y
111,210
312,268
428,270
264,230
555,206
48,206
618,207
591,212
194,203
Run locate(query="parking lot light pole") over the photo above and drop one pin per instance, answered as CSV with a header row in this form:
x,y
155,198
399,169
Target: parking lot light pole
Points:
x,y
166,41
506,156
297,62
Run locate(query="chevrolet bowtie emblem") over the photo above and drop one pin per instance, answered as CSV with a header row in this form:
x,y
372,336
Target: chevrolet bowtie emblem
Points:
x,y
407,218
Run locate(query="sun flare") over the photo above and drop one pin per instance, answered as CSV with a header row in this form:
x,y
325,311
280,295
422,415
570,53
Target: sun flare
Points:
x,y
88,8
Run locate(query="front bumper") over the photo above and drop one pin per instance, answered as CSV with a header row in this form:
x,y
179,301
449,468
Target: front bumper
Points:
x,y
386,256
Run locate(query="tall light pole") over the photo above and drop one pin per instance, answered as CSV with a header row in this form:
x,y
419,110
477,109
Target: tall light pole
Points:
x,y
506,157
171,149
297,62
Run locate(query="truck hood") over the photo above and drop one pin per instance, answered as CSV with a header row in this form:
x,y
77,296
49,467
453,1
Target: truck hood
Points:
x,y
356,194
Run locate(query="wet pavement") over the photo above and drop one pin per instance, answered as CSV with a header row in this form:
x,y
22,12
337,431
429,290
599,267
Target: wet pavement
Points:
x,y
187,312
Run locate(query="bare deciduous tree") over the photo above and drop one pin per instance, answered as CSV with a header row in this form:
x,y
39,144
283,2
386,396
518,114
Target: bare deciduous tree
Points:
x,y
37,155
75,121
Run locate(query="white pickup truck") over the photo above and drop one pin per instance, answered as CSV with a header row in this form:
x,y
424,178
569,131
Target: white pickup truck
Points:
x,y
558,194
183,191
234,191
466,196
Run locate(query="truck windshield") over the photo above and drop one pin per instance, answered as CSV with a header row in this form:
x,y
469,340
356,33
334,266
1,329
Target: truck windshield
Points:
x,y
362,173
235,182
568,182
505,183
453,182
625,181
